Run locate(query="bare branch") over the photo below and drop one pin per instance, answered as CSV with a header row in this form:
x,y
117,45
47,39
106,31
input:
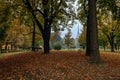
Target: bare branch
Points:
x,y
40,12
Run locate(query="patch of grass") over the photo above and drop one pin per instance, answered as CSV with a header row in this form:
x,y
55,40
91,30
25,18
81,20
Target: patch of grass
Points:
x,y
10,53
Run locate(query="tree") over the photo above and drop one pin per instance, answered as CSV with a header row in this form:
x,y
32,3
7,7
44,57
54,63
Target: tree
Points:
x,y
69,41
92,33
110,28
4,21
88,17
33,37
49,10
109,15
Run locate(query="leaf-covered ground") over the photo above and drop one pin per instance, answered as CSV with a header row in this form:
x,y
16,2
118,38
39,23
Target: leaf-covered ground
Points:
x,y
59,65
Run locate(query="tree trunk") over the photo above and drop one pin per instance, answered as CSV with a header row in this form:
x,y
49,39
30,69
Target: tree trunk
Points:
x,y
93,48
88,37
6,47
112,44
111,41
33,37
118,47
46,37
0,49
104,47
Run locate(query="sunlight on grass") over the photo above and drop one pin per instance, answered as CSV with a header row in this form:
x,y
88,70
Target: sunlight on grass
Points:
x,y
7,54
10,53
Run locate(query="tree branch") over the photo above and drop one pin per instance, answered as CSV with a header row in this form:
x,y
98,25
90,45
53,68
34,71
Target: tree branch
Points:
x,y
29,7
40,12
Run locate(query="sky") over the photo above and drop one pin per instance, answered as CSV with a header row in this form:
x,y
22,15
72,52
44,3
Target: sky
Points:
x,y
75,27
74,30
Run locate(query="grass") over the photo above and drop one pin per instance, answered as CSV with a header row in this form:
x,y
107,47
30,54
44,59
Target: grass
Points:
x,y
58,65
10,53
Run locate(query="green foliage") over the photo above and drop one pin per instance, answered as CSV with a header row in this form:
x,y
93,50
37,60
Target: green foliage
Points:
x,y
57,38
109,5
103,42
102,39
118,40
82,11
57,46
4,20
3,33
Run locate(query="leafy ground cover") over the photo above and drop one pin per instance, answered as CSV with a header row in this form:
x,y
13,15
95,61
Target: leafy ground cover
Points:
x,y
59,65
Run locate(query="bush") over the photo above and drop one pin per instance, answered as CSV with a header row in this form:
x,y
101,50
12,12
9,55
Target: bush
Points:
x,y
57,46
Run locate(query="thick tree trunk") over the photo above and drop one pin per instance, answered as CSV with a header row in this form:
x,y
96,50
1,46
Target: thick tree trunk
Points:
x,y
88,37
46,37
93,32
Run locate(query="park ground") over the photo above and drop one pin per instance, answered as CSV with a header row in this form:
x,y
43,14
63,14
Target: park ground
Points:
x,y
59,65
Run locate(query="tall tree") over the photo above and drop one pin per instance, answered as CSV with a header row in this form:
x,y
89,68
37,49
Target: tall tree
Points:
x,y
4,21
69,41
92,32
109,27
109,13
49,9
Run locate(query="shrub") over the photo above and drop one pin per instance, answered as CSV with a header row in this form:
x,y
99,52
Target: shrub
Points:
x,y
57,46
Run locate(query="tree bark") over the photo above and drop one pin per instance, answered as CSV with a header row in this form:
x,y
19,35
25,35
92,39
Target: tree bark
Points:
x,y
93,47
33,37
46,37
0,48
118,47
6,47
112,44
111,41
88,37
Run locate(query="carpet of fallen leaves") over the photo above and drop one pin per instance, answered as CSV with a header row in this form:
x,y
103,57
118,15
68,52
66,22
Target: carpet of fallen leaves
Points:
x,y
59,65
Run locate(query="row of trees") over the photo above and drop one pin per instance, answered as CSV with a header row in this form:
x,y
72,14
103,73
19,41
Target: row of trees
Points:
x,y
45,14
